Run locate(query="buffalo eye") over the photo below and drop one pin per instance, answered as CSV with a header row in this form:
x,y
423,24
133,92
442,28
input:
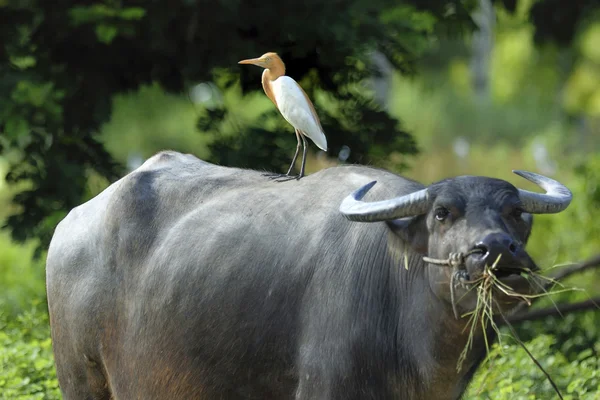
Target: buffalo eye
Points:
x,y
441,213
516,213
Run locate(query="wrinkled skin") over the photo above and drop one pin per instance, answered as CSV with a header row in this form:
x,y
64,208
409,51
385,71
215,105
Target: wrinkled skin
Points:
x,y
186,280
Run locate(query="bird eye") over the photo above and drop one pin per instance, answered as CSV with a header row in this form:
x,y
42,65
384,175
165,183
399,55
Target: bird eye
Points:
x,y
441,213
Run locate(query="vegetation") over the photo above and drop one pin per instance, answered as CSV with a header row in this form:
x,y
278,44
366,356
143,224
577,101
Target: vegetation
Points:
x,y
26,362
509,373
63,63
92,89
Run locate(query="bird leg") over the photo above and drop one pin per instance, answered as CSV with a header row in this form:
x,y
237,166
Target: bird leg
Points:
x,y
303,157
287,177
296,154
278,177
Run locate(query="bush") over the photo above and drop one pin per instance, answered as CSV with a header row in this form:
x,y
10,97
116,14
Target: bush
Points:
x,y
21,276
509,373
26,360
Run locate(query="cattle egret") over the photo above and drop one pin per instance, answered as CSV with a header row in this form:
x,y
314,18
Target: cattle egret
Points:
x,y
293,104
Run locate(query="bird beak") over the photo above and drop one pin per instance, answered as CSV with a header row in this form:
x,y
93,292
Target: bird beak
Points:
x,y
253,61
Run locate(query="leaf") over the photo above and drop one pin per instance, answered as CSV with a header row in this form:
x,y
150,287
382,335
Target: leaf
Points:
x,y
132,13
16,128
23,62
106,33
80,15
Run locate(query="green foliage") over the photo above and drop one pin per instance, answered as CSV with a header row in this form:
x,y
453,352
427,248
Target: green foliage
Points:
x,y
86,84
439,112
62,63
583,238
558,25
21,277
109,21
26,360
151,120
509,373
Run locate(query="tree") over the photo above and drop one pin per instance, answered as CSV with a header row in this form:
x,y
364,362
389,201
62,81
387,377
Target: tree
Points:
x,y
555,21
61,63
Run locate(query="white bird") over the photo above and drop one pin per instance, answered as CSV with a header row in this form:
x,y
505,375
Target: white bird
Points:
x,y
292,102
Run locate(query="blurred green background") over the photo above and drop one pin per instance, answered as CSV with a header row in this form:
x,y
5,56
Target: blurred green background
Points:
x,y
430,89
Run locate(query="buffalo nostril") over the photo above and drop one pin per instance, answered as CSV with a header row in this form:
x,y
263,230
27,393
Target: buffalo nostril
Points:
x,y
513,248
481,249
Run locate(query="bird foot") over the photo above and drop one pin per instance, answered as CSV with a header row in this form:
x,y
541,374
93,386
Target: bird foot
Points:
x,y
281,177
274,175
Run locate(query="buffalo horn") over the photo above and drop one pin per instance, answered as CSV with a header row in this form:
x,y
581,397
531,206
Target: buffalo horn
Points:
x,y
411,204
556,199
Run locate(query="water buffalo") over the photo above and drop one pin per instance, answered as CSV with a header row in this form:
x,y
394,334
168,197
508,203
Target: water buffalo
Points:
x,y
187,280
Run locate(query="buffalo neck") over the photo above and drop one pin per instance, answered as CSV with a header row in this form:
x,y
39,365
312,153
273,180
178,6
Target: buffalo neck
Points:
x,y
428,337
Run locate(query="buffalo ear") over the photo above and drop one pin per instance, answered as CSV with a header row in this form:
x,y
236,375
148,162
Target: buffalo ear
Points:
x,y
413,231
528,219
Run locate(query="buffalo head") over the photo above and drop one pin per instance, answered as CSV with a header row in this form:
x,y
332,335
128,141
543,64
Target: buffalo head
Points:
x,y
478,224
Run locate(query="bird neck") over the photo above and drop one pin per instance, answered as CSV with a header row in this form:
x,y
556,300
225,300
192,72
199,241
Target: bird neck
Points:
x,y
273,73
266,84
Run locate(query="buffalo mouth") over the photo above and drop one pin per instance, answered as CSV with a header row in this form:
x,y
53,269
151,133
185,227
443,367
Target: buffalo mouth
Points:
x,y
513,278
504,266
471,265
511,281
505,273
511,273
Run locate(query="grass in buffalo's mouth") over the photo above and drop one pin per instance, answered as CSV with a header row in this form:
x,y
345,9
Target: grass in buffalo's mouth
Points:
x,y
487,286
482,315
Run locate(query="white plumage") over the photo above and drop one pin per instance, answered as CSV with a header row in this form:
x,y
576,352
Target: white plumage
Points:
x,y
293,104
294,107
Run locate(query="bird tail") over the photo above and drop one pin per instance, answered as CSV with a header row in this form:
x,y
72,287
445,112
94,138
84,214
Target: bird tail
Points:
x,y
320,140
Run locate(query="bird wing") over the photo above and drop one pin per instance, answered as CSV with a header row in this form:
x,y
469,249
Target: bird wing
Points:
x,y
297,109
312,108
